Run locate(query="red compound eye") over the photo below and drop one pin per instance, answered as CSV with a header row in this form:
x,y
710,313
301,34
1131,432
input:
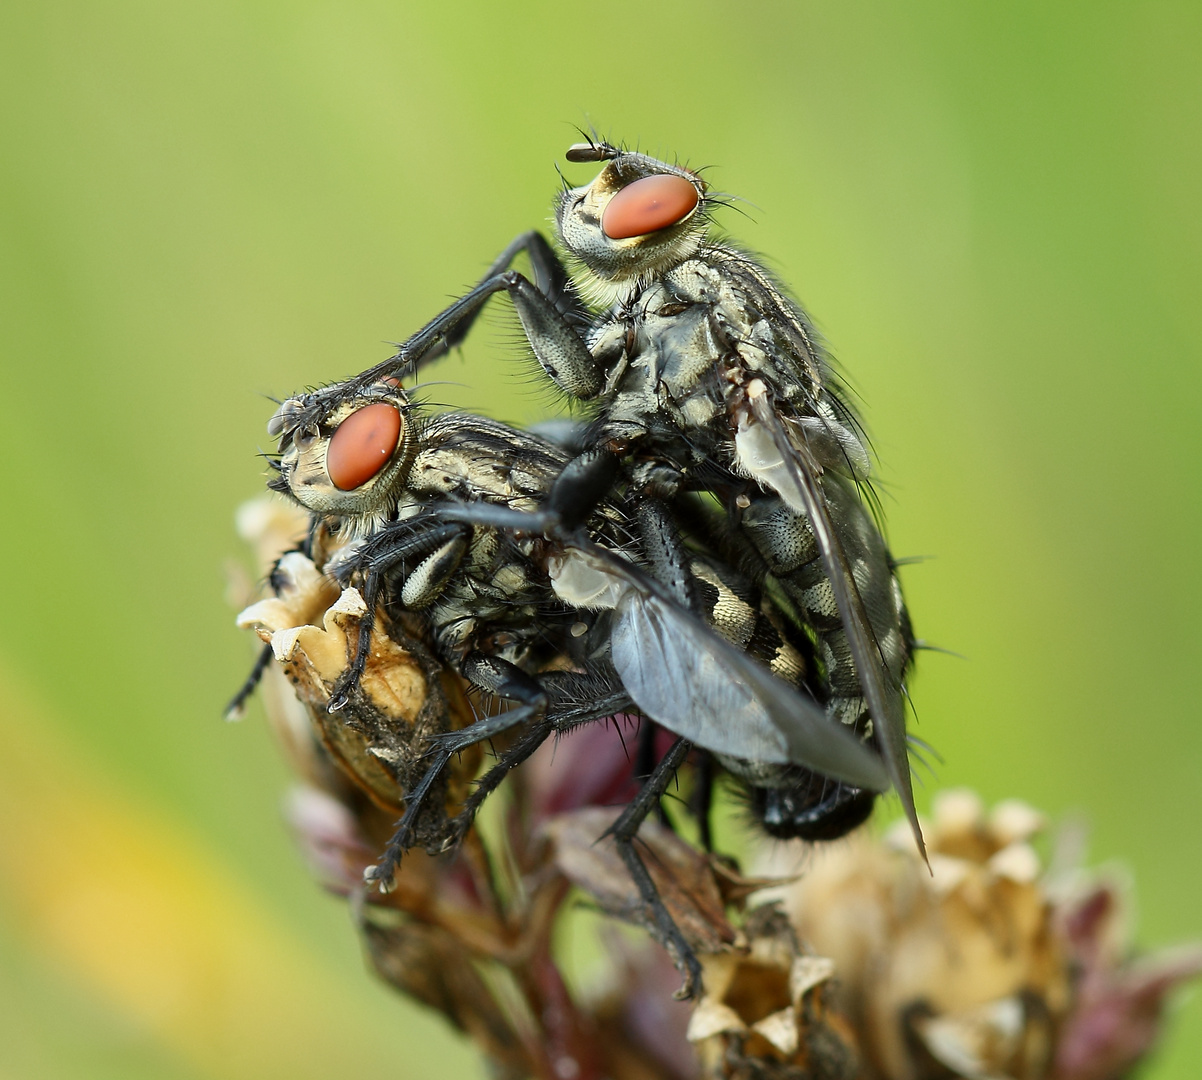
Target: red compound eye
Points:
x,y
653,203
362,445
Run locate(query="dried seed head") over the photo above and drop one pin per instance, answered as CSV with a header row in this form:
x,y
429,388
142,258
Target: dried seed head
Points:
x,y
982,969
767,1011
971,970
378,743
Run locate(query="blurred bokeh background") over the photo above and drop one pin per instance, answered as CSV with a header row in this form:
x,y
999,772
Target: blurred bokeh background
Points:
x,y
990,209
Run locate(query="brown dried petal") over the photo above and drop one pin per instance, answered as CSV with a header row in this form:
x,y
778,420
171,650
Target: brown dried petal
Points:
x,y
404,696
983,970
765,1012
736,887
431,965
1001,1038
954,957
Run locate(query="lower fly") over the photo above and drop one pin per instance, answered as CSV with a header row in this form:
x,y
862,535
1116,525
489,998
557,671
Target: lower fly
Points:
x,y
616,615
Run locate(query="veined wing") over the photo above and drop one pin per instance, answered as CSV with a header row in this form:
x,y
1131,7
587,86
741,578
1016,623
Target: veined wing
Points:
x,y
693,682
766,450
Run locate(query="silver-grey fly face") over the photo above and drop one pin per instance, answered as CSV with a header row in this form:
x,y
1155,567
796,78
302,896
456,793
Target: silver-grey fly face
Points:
x,y
636,216
344,455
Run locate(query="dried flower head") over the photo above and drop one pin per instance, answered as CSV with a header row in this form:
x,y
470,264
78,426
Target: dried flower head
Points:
x,y
973,969
767,1010
872,967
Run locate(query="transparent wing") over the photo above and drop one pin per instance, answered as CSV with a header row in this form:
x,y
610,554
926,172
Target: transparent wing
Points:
x,y
683,674
794,478
694,683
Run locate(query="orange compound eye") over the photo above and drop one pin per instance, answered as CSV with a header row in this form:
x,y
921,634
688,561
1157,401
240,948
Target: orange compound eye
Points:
x,y
653,203
362,445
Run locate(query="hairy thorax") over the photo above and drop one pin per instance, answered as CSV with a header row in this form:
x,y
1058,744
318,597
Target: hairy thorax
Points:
x,y
679,350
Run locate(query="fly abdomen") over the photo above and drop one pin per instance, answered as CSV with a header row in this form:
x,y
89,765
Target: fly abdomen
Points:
x,y
786,542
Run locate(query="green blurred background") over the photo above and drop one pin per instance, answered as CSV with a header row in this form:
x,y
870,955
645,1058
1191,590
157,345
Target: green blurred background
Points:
x,y
991,209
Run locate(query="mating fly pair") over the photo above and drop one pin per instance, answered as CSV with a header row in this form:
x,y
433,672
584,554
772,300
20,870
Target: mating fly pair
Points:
x,y
703,376
705,555
615,615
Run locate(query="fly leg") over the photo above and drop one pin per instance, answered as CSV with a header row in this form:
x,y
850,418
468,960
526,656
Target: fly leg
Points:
x,y
233,711
625,832
644,762
575,699
520,751
496,676
348,682
551,323
393,546
550,277
585,481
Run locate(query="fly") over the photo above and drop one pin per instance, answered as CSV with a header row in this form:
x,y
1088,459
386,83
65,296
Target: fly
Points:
x,y
441,508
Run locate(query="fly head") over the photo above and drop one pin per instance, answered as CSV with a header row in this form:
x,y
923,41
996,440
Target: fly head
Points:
x,y
638,217
344,454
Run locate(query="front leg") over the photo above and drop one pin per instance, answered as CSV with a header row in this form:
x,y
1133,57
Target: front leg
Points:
x,y
556,342
436,549
576,698
550,277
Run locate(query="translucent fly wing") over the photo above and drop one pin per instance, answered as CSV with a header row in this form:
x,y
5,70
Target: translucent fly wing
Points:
x,y
684,675
686,690
694,683
785,468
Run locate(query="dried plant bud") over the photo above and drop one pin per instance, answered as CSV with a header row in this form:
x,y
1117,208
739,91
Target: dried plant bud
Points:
x,y
766,1010
404,696
1119,1002
874,968
431,965
973,970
